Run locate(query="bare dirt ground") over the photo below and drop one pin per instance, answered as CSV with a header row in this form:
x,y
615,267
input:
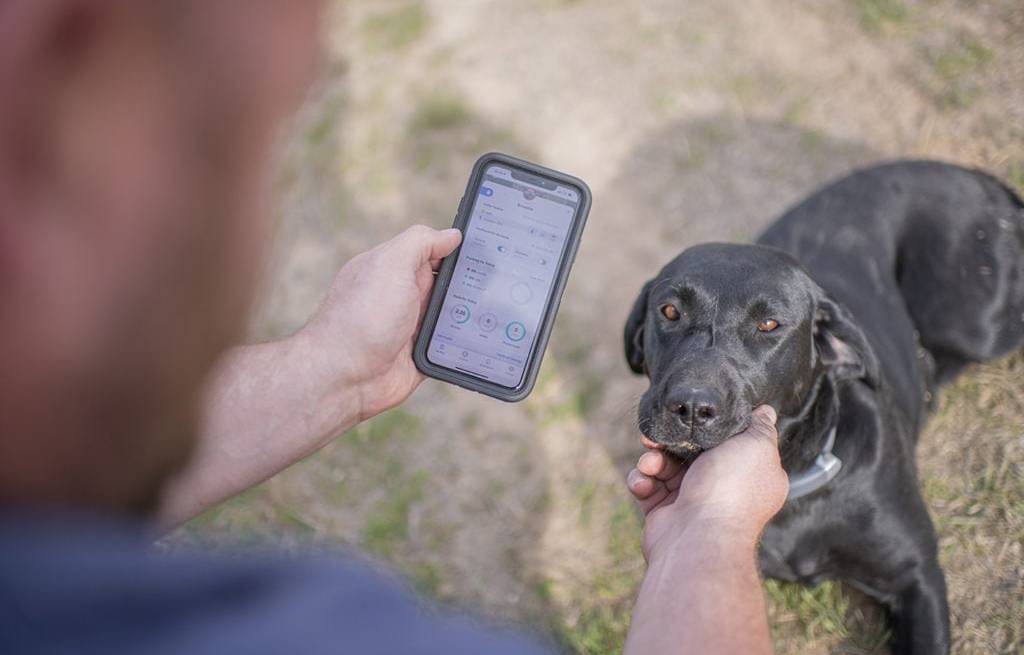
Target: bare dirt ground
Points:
x,y
691,121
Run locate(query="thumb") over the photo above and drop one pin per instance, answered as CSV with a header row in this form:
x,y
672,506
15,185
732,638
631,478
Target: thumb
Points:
x,y
763,424
441,243
422,244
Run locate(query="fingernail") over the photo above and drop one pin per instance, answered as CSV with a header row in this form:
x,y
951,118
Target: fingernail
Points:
x,y
451,231
650,463
769,413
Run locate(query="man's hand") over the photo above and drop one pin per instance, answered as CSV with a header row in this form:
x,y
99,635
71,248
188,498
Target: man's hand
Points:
x,y
737,486
364,331
270,405
702,592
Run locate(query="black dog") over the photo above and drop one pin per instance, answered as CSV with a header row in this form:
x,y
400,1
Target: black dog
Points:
x,y
845,316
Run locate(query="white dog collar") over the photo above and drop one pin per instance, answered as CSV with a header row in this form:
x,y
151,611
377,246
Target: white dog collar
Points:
x,y
826,467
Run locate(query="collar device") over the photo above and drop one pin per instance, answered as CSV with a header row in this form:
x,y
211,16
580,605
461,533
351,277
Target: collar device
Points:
x,y
826,467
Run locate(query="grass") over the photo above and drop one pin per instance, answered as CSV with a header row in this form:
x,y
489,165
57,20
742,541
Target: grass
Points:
x,y
587,609
394,424
443,110
976,494
579,402
955,68
823,613
398,28
962,59
978,503
585,493
1015,177
362,490
442,123
425,577
323,125
972,469
236,514
388,526
597,624
877,15
796,110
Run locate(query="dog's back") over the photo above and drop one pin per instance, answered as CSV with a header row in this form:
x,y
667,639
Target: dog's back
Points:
x,y
918,250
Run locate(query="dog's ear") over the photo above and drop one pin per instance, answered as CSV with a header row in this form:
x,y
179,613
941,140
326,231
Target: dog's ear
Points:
x,y
841,345
634,332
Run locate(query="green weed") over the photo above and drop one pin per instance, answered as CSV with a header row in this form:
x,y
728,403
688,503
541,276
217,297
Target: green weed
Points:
x,y
599,623
877,15
398,28
954,69
1015,177
825,612
394,424
425,577
388,526
440,111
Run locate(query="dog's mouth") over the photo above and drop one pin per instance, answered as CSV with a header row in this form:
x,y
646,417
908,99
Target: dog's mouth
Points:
x,y
684,444
686,451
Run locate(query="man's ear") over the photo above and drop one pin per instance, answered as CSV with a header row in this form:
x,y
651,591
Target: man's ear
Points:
x,y
841,345
634,332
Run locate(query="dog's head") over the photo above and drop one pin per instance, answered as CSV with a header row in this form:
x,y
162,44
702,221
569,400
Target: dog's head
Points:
x,y
724,328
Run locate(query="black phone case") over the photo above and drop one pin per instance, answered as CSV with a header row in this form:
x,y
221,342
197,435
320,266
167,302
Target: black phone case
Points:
x,y
446,271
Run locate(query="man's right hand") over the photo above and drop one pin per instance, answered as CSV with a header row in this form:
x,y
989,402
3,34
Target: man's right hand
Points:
x,y
702,591
730,491
364,331
270,405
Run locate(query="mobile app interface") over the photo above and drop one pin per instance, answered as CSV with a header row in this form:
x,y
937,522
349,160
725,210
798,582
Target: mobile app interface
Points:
x,y
503,277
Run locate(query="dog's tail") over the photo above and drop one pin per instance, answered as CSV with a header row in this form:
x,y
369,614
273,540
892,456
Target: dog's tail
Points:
x,y
965,291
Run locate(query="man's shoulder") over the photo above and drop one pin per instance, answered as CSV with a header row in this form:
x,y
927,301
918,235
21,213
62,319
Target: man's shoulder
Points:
x,y
96,586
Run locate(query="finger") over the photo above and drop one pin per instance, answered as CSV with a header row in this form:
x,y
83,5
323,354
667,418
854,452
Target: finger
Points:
x,y
648,492
654,500
652,445
640,485
763,424
657,464
676,480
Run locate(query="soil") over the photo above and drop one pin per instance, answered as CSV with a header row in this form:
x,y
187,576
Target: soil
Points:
x,y
691,122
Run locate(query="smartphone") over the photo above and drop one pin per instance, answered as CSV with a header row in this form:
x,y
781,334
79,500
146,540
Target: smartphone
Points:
x,y
495,297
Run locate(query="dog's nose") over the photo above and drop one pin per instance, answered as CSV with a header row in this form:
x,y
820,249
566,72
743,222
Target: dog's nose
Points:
x,y
697,407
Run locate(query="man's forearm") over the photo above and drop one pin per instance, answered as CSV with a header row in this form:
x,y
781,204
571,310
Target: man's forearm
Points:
x,y
701,595
266,408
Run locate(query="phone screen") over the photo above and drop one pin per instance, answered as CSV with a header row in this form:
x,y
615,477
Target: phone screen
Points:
x,y
512,247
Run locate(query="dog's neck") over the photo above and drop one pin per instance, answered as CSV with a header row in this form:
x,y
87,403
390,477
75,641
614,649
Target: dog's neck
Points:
x,y
803,436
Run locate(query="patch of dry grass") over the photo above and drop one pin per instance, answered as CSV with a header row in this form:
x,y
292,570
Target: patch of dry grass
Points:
x,y
971,460
397,25
972,468
828,616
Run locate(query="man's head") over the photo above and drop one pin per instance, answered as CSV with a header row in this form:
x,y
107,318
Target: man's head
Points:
x,y
134,144
725,328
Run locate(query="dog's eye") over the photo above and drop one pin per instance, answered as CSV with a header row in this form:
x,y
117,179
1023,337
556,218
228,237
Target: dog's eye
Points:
x,y
767,325
670,312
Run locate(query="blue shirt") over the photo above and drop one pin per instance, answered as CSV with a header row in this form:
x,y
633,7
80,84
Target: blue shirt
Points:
x,y
88,584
